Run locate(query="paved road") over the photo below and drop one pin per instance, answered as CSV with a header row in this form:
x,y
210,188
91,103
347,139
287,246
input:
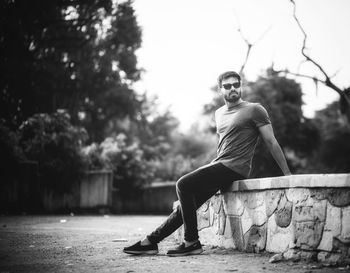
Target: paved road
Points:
x,y
94,244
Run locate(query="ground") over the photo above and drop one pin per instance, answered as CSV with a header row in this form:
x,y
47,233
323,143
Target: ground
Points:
x,y
69,243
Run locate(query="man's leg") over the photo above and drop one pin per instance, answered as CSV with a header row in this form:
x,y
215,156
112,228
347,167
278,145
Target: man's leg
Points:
x,y
193,190
197,187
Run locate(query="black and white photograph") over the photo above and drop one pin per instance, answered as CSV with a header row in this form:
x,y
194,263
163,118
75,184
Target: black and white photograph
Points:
x,y
175,136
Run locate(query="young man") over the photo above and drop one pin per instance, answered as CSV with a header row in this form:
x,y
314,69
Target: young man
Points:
x,y
239,124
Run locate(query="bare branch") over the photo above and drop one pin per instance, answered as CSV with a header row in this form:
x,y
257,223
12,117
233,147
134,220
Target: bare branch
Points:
x,y
315,79
249,46
327,81
308,58
285,71
263,35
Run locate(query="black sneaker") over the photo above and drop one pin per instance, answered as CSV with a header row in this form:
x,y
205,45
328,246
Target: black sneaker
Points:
x,y
181,250
138,249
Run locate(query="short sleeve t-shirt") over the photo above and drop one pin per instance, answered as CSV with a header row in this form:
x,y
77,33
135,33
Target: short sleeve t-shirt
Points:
x,y
238,132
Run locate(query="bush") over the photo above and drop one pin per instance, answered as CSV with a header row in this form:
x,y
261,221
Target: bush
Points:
x,y
11,154
52,141
189,152
130,168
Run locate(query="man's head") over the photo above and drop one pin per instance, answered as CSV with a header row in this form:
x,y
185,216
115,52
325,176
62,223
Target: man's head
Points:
x,y
228,74
230,86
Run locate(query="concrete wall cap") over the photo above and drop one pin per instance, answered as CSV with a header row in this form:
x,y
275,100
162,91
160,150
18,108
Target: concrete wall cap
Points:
x,y
293,181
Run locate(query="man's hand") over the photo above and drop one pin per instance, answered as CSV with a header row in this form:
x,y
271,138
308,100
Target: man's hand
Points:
x,y
268,136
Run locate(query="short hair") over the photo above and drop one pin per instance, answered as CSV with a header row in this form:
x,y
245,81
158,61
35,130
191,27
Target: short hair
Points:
x,y
226,75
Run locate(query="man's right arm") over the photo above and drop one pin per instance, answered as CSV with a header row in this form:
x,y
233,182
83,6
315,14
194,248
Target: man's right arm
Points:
x,y
267,134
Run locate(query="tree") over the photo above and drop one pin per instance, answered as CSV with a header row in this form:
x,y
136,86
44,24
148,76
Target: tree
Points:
x,y
297,135
333,152
54,143
75,55
344,101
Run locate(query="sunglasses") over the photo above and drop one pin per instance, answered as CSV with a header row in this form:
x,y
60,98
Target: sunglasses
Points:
x,y
228,86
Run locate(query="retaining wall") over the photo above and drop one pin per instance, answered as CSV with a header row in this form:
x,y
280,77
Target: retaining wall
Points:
x,y
302,216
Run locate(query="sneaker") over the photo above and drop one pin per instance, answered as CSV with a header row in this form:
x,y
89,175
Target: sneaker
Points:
x,y
181,250
138,249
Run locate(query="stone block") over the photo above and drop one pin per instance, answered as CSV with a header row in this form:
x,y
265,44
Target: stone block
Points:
x,y
216,203
221,222
253,200
272,198
252,217
212,217
179,235
341,247
333,220
319,194
233,204
345,225
236,231
283,215
339,197
225,242
308,234
326,243
176,204
278,239
255,239
203,216
292,255
308,255
297,195
204,207
329,258
209,236
310,210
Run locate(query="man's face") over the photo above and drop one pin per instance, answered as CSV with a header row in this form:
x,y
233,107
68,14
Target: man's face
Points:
x,y
231,93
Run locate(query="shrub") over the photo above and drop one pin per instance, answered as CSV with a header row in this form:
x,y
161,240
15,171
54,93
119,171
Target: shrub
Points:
x,y
11,154
130,168
52,141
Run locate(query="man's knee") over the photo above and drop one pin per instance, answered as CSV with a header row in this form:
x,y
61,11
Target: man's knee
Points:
x,y
181,184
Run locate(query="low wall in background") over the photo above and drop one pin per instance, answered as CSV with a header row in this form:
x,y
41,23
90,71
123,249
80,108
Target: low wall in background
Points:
x,y
93,191
156,198
301,216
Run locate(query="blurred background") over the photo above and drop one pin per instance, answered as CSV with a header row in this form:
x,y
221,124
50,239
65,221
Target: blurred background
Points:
x,y
105,104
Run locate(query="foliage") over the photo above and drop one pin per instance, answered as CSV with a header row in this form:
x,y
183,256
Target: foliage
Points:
x,y
333,152
282,97
11,153
189,152
74,55
130,169
153,129
54,143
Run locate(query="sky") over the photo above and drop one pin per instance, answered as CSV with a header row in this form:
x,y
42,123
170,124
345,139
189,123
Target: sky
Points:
x,y
188,43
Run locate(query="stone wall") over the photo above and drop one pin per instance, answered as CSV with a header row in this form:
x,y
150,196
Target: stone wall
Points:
x,y
302,216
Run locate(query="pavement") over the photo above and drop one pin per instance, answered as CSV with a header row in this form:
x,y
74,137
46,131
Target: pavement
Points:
x,y
70,243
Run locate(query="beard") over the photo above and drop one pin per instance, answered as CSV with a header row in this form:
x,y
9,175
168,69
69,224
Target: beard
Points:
x,y
233,96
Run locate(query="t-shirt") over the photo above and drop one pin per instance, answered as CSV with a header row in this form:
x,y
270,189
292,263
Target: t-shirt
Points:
x,y
238,132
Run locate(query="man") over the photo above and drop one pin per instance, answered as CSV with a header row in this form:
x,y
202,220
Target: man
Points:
x,y
239,124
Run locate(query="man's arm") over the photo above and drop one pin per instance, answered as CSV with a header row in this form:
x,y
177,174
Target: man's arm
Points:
x,y
267,134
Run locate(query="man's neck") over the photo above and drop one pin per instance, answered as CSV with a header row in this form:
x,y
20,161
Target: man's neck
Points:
x,y
233,104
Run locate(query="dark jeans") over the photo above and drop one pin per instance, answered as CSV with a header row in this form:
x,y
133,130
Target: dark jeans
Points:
x,y
193,190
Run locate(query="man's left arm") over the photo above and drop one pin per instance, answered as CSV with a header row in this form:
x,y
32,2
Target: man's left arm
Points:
x,y
268,136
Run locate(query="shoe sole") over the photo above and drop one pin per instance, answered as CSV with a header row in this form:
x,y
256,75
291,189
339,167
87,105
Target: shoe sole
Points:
x,y
193,252
148,252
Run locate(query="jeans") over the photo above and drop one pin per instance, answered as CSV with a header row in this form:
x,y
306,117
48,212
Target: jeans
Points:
x,y
193,189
